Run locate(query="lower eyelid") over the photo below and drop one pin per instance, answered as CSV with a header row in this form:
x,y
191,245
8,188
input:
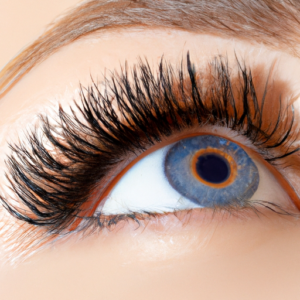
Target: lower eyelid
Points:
x,y
178,220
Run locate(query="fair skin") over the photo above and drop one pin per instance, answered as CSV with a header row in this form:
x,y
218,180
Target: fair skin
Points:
x,y
231,258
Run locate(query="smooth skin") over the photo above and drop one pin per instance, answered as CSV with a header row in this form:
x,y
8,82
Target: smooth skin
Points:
x,y
215,258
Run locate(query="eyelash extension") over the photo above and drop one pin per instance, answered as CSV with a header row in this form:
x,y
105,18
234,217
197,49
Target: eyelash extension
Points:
x,y
54,173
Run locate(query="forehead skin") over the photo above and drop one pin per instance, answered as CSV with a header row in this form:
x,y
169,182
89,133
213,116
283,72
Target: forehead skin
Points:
x,y
33,15
242,259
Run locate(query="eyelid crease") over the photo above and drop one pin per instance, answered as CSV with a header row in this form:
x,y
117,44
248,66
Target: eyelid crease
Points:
x,y
134,112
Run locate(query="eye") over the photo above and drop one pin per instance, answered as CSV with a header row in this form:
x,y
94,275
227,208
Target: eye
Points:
x,y
196,172
63,175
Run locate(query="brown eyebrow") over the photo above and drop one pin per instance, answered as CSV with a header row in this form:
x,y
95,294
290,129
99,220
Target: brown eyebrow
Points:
x,y
268,22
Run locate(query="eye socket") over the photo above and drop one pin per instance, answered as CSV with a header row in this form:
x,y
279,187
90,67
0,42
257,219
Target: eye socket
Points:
x,y
204,171
69,165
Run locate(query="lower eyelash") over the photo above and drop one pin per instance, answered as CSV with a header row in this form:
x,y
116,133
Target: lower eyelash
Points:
x,y
141,219
149,108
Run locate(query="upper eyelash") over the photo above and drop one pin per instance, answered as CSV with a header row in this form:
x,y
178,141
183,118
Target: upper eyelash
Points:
x,y
52,186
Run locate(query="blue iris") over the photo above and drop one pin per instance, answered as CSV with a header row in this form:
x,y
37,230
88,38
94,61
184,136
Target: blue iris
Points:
x,y
211,171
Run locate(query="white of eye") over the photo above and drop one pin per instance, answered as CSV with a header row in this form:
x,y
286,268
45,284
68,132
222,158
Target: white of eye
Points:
x,y
145,188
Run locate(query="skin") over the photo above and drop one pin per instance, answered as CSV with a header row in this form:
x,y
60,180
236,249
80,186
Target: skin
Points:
x,y
195,257
14,36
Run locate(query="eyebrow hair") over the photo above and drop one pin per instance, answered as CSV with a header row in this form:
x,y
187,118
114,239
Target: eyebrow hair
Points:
x,y
269,22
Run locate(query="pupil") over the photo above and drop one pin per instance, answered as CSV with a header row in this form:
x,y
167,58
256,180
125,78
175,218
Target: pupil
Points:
x,y
212,168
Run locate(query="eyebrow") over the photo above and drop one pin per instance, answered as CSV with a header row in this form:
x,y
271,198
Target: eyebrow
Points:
x,y
267,22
